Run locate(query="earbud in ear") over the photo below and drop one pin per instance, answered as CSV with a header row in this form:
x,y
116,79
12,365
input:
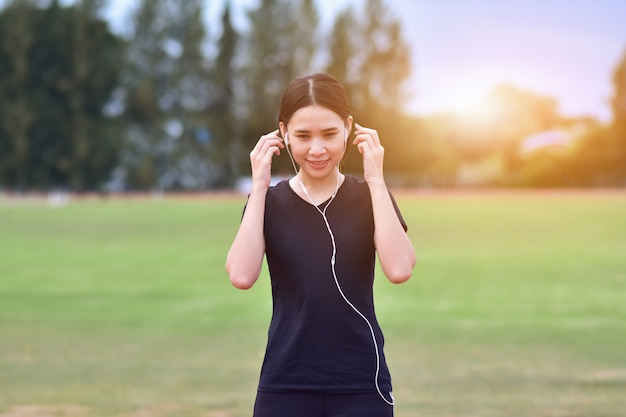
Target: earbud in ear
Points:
x,y
346,137
286,138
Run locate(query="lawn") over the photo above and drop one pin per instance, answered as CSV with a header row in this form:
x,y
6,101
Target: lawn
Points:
x,y
121,308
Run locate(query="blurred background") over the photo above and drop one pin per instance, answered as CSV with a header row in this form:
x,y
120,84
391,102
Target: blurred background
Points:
x,y
120,307
162,95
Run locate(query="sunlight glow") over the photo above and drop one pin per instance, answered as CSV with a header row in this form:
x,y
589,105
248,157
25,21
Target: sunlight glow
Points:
x,y
475,109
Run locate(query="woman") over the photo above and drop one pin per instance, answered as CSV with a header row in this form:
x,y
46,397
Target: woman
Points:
x,y
320,232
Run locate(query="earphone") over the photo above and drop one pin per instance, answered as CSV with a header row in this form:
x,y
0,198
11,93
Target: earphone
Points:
x,y
332,264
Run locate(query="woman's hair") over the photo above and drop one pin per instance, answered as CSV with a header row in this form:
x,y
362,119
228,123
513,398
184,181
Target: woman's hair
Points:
x,y
316,89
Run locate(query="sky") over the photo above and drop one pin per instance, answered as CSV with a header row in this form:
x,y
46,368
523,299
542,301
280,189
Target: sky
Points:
x,y
461,49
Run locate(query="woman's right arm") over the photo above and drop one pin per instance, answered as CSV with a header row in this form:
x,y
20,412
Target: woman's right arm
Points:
x,y
245,257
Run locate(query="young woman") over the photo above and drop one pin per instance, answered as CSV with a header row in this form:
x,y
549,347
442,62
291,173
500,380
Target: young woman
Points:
x,y
320,232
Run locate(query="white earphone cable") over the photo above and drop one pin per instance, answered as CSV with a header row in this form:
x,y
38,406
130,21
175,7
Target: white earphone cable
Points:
x,y
293,163
332,263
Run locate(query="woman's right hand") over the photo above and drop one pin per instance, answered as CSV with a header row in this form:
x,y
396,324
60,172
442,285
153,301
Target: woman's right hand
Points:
x,y
261,158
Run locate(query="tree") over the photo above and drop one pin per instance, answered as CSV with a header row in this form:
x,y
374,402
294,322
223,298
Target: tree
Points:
x,y
343,40
618,102
16,118
82,82
599,158
280,45
386,61
370,56
618,131
53,130
224,146
167,95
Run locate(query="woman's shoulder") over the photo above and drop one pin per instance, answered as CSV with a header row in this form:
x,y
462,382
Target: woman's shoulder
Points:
x,y
280,191
356,185
279,185
353,180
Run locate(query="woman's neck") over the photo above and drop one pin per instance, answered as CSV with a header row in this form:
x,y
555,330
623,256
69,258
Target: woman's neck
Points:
x,y
317,189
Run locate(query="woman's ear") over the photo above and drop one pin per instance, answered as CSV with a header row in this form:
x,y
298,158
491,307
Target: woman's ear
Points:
x,y
348,125
283,128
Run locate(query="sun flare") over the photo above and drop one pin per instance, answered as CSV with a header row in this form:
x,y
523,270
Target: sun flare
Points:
x,y
474,107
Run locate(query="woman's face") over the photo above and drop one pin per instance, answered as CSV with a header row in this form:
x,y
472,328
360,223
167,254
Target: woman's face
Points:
x,y
317,137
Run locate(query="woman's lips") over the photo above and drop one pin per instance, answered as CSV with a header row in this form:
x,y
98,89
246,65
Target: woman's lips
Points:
x,y
318,164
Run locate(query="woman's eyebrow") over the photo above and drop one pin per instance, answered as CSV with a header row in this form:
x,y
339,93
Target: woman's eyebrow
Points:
x,y
327,130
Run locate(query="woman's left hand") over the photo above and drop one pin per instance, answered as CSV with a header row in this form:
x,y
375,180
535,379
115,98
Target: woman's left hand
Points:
x,y
368,144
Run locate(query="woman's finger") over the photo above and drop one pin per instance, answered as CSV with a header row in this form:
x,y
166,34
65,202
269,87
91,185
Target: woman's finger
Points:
x,y
271,140
372,133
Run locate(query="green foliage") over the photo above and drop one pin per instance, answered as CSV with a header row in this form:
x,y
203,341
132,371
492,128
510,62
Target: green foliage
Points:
x,y
369,54
618,132
618,103
280,45
225,150
122,307
171,107
58,69
599,158
167,97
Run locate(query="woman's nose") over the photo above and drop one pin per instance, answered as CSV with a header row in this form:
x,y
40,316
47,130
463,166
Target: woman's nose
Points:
x,y
317,146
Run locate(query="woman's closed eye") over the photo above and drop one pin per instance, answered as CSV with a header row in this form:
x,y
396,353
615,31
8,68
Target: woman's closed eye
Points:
x,y
331,135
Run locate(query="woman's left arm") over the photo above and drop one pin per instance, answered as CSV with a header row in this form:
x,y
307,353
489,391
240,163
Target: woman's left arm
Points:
x,y
395,250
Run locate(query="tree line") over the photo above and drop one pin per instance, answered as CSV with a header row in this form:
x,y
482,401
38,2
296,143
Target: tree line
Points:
x,y
168,106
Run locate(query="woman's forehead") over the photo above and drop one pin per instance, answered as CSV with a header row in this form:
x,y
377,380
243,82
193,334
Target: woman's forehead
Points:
x,y
317,117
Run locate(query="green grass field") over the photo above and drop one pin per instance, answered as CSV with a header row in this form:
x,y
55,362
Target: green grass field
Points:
x,y
517,307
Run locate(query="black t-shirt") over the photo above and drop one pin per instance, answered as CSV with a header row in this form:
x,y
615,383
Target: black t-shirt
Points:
x,y
316,341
